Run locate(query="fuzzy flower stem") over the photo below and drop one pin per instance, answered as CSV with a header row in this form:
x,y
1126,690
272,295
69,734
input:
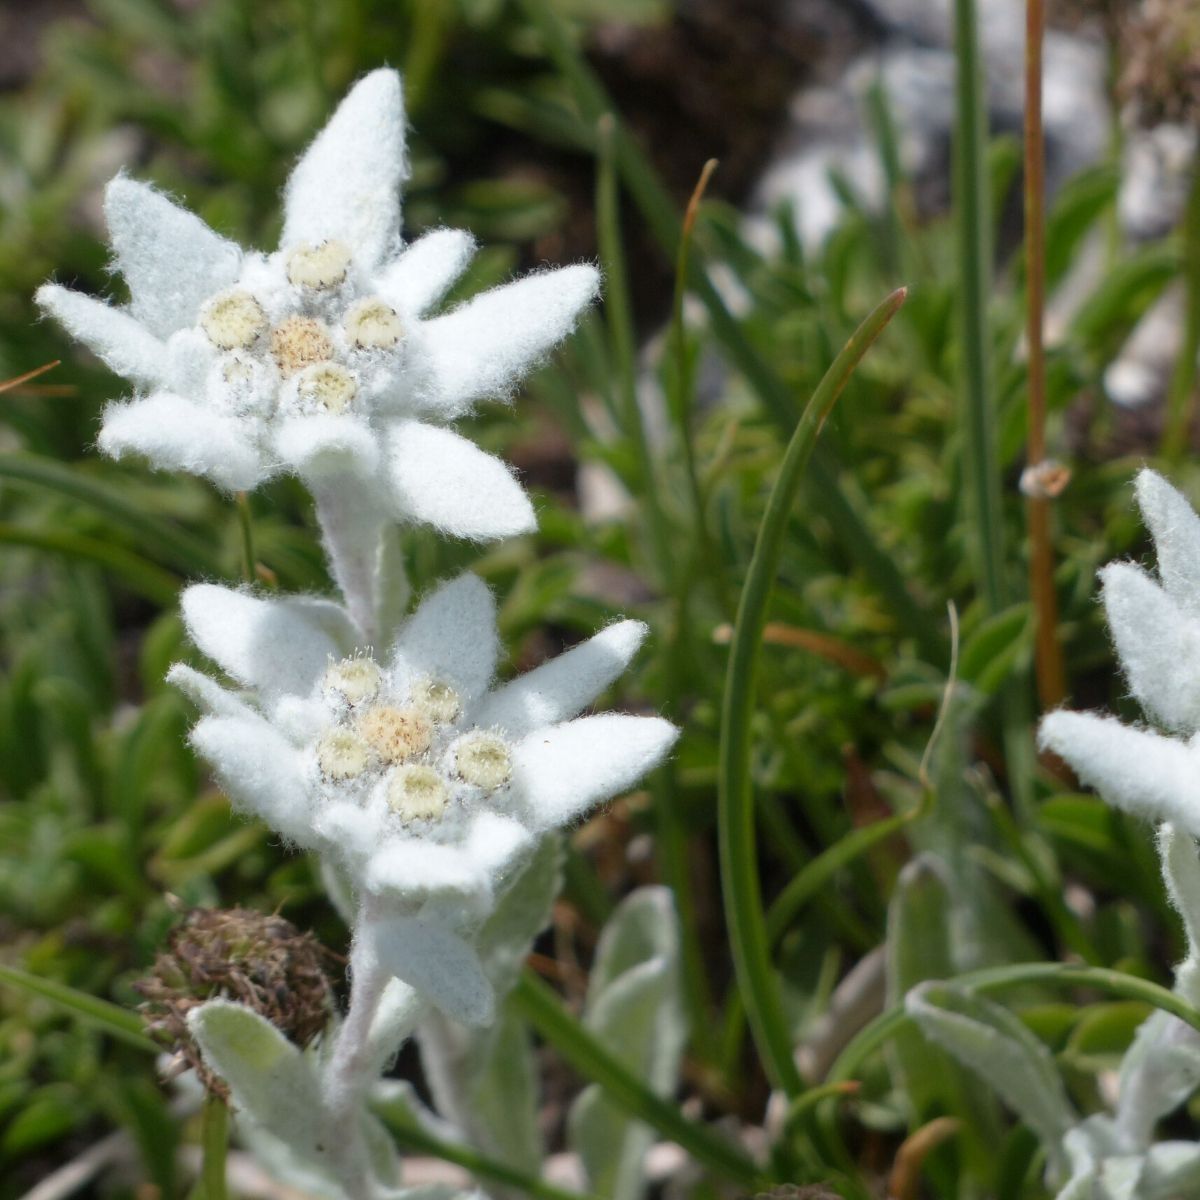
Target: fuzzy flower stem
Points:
x,y
351,533
352,1067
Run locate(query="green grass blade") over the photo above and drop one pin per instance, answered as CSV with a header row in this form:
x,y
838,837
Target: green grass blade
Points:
x,y
541,1008
735,804
618,312
803,887
160,537
415,1140
972,210
137,573
110,1018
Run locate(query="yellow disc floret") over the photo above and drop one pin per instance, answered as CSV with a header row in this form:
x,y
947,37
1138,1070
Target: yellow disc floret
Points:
x,y
298,342
416,793
357,679
373,325
483,759
395,734
342,755
437,700
321,266
328,386
233,320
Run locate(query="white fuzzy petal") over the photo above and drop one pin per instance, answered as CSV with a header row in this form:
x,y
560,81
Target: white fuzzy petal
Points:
x,y
190,357
1159,646
438,478
560,689
496,844
1176,530
170,259
560,773
347,184
207,694
323,446
452,637
437,963
277,645
416,868
1156,777
124,344
483,347
259,770
178,435
424,273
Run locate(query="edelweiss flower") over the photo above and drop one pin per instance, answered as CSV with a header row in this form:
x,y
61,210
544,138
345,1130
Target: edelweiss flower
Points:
x,y
320,358
1156,627
426,788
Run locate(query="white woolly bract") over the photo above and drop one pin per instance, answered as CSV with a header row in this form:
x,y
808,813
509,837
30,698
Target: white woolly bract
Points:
x,y
1142,772
432,878
1176,531
438,478
317,359
1159,646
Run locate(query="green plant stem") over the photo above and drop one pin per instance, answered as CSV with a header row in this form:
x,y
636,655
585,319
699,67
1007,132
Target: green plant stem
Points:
x,y
246,522
975,258
742,895
215,1145
1183,378
413,1139
981,460
846,518
538,1004
619,313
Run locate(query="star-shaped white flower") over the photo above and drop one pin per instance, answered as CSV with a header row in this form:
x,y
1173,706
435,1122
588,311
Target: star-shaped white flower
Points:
x,y
1156,627
321,358
424,786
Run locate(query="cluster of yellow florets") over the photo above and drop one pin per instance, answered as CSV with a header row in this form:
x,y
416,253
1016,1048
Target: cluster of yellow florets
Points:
x,y
303,343
406,741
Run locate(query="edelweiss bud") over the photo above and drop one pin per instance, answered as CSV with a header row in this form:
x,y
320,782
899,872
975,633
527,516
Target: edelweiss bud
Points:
x,y
328,386
233,320
395,734
483,759
357,679
321,266
437,700
373,325
298,342
342,754
416,793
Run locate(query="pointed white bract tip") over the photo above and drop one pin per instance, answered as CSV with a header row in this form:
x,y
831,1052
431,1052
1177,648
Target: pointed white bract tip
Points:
x,y
439,478
346,184
1158,645
176,435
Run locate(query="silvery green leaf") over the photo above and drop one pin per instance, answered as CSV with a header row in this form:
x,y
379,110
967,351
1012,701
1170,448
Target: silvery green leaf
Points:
x,y
1160,1071
483,1079
1172,1170
990,1041
634,1007
276,1088
1181,873
919,948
